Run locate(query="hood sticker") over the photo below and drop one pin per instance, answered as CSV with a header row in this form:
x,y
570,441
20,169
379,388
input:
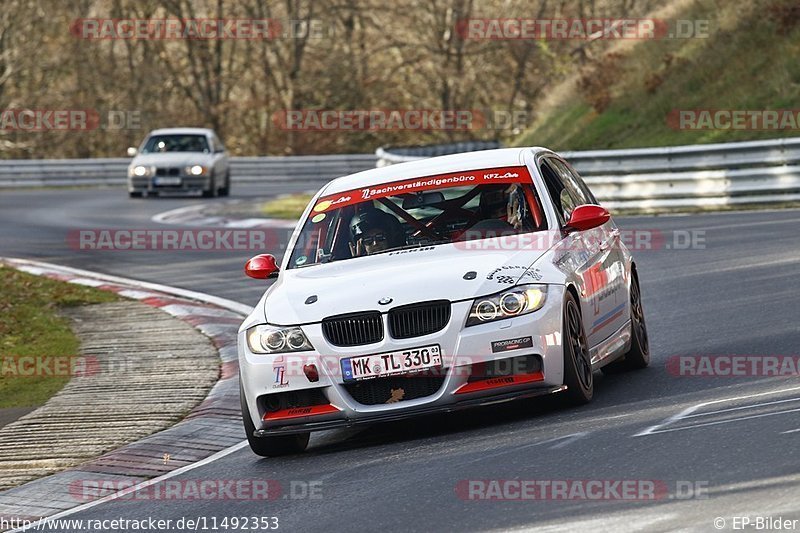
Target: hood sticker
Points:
x,y
516,272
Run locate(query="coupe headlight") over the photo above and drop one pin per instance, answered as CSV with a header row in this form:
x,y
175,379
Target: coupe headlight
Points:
x,y
140,171
196,170
520,300
273,339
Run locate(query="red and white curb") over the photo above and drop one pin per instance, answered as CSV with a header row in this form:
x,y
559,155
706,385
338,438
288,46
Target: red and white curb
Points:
x,y
211,430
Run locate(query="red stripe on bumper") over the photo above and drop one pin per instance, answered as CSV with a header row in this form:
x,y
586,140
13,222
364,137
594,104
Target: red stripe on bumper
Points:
x,y
300,412
505,381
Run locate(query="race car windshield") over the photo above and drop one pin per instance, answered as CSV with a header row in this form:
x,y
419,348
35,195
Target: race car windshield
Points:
x,y
434,210
175,143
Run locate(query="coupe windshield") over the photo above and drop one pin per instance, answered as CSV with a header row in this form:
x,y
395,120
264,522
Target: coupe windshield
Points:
x,y
419,212
175,143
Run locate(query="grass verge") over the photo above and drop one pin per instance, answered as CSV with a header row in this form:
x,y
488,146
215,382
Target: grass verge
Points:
x,y
30,325
290,206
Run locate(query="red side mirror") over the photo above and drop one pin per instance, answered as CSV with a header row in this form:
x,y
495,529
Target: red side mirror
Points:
x,y
262,266
587,216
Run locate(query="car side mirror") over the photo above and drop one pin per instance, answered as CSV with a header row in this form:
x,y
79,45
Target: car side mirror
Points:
x,y
262,266
587,216
132,151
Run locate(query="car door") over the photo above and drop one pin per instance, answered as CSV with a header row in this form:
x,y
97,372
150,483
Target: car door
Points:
x,y
605,277
583,247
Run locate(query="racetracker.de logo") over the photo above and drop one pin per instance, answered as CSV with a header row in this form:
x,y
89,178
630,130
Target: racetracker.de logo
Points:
x,y
204,29
173,239
734,119
587,29
731,366
38,120
85,490
37,366
380,119
561,489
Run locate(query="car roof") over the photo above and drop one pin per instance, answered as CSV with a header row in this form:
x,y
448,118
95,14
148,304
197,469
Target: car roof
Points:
x,y
182,131
463,162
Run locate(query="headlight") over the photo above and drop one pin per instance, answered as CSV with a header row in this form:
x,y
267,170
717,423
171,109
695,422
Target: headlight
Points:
x,y
196,170
273,339
520,300
140,171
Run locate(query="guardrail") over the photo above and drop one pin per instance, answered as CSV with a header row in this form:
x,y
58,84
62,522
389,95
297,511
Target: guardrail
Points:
x,y
72,172
710,175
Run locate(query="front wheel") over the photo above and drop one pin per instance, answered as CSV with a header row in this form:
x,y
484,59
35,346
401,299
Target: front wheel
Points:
x,y
270,446
212,189
225,190
578,376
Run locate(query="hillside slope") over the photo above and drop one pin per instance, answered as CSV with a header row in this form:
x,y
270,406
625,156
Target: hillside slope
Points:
x,y
749,61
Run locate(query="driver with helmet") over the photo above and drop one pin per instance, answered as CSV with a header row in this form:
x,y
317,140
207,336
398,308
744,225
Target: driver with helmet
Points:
x,y
374,231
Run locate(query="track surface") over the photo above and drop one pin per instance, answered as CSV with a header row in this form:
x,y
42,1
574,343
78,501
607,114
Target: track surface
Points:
x,y
738,295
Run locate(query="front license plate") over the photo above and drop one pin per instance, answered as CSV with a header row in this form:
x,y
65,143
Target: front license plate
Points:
x,y
167,181
391,363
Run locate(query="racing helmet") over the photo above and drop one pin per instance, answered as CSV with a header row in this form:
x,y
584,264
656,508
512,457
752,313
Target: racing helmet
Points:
x,y
374,219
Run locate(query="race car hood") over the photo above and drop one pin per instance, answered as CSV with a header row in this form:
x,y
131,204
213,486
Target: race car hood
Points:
x,y
448,272
172,159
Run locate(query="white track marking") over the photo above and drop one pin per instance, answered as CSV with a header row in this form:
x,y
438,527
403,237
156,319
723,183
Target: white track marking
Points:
x,y
718,422
743,407
687,413
140,486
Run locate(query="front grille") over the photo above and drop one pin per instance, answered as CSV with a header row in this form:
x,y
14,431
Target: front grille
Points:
x,y
418,319
394,388
353,329
170,171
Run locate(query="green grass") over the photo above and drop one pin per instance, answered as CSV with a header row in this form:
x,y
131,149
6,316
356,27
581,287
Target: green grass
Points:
x,y
31,326
290,206
744,64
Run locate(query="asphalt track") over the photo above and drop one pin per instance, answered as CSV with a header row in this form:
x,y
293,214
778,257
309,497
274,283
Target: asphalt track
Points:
x,y
736,294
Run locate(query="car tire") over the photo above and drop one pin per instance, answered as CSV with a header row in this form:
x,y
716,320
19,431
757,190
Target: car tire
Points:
x,y
270,446
226,189
638,356
578,375
135,194
212,189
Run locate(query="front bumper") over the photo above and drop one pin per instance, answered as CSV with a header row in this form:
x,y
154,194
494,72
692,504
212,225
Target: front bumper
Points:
x,y
266,375
151,184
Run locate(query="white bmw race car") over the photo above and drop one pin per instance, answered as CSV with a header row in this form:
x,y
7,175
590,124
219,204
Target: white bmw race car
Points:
x,y
434,285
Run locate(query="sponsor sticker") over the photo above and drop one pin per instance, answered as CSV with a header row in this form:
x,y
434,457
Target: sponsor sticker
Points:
x,y
512,344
